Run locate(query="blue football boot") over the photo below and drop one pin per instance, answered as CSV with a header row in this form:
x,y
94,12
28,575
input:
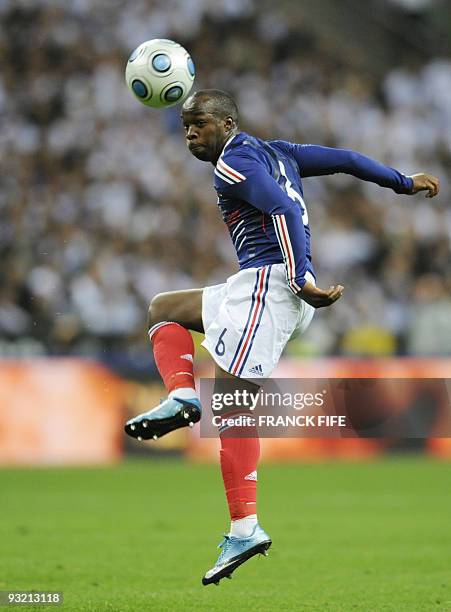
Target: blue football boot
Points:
x,y
171,414
236,551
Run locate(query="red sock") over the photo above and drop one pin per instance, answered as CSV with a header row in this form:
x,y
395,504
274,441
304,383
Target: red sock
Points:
x,y
173,350
239,459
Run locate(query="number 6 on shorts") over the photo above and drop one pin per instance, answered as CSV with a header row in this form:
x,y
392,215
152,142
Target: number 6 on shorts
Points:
x,y
220,346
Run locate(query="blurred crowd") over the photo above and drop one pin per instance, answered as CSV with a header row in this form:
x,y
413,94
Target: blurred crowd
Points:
x,y
102,206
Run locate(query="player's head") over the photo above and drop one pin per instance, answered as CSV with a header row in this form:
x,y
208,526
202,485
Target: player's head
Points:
x,y
210,117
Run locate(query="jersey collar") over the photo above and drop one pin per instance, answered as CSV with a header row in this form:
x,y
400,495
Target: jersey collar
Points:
x,y
227,143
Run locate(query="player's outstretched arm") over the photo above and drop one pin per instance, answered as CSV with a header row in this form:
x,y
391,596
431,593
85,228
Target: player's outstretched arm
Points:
x,y
319,298
314,160
425,182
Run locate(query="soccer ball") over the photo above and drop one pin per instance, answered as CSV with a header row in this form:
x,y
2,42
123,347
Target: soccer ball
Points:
x,y
160,73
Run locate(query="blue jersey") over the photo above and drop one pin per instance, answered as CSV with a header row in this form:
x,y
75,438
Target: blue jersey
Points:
x,y
260,194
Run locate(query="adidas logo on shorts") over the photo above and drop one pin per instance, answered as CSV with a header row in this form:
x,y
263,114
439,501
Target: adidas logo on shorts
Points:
x,y
256,370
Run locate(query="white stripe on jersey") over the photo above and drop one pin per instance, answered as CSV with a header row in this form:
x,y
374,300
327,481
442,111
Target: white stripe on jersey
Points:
x,y
292,281
283,238
222,177
237,226
241,243
230,172
239,234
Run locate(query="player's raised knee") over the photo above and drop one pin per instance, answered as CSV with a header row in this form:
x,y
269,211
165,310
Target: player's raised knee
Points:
x,y
182,307
158,309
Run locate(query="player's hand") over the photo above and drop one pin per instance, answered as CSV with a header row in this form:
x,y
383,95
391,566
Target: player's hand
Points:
x,y
425,182
318,298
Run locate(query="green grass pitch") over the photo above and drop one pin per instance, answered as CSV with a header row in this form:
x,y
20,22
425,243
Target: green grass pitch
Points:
x,y
139,536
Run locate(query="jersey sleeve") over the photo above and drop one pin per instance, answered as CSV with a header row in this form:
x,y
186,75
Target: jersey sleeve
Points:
x,y
247,178
314,160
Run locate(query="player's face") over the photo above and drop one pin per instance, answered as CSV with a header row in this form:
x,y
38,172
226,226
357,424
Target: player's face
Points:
x,y
205,133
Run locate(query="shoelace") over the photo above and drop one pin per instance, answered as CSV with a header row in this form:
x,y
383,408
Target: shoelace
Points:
x,y
225,545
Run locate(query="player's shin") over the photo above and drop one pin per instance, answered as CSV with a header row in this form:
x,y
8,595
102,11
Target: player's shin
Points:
x,y
239,459
173,350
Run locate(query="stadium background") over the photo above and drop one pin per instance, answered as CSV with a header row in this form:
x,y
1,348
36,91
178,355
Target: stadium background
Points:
x,y
102,207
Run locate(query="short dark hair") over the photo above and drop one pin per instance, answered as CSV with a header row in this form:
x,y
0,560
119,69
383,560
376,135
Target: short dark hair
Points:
x,y
218,102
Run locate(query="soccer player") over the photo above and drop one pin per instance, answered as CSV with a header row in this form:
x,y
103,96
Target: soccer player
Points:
x,y
248,320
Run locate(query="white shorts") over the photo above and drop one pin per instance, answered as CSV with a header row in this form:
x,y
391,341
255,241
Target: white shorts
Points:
x,y
249,319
